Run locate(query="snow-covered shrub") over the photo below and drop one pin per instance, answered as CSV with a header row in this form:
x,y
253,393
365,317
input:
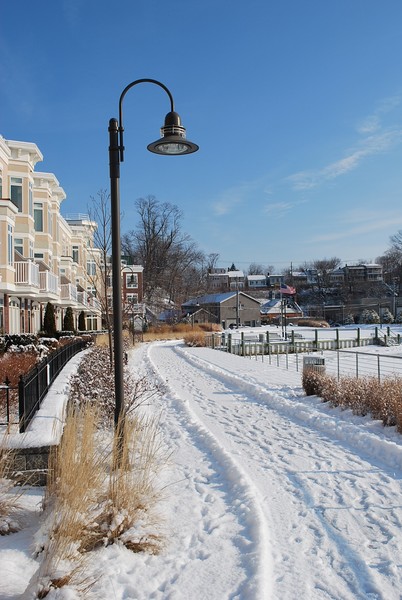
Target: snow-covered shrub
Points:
x,y
349,319
369,316
387,317
20,340
94,384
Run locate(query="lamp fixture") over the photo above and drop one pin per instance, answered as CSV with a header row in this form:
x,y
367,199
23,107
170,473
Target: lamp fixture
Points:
x,y
173,140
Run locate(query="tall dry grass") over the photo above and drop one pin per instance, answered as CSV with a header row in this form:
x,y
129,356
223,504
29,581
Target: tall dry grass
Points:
x,y
90,503
9,494
364,396
177,331
195,338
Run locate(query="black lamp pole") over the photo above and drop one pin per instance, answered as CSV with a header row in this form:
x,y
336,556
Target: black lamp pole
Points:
x,y
173,142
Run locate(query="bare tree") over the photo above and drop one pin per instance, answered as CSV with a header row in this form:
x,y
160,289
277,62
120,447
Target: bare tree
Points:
x,y
324,267
256,269
162,248
396,241
100,279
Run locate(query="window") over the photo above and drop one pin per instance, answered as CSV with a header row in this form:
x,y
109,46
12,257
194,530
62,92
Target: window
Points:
x,y
31,249
132,298
49,221
10,250
38,216
75,254
131,280
16,192
38,255
19,245
30,200
91,268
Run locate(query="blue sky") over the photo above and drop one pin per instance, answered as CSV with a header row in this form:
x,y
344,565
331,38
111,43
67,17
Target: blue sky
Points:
x,y
296,106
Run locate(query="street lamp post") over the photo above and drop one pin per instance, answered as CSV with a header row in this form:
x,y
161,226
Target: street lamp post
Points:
x,y
173,142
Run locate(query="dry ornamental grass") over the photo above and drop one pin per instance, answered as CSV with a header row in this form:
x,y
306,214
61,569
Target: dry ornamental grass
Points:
x,y
364,396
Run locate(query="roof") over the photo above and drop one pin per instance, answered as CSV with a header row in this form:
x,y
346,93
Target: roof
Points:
x,y
257,277
275,306
209,299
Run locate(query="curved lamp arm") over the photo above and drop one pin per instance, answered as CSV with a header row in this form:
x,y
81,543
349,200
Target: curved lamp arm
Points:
x,y
124,92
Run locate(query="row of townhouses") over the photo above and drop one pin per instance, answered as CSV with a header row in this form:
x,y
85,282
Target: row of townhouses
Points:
x,y
221,279
45,257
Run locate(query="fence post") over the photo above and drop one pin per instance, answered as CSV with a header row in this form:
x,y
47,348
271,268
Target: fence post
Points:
x,y
358,336
337,339
242,343
230,343
316,339
338,364
21,403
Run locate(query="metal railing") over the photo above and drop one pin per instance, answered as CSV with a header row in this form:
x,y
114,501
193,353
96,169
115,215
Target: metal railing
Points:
x,y
48,282
27,273
339,362
34,386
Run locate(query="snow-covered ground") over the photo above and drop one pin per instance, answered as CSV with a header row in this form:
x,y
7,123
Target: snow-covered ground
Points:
x,y
268,494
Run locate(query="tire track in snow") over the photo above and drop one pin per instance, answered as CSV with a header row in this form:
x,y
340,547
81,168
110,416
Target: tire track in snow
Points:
x,y
340,553
241,495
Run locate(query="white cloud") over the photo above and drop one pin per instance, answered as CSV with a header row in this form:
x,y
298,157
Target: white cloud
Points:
x,y
356,223
371,145
280,209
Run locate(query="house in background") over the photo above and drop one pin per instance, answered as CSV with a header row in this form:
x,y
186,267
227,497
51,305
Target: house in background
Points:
x,y
221,279
257,282
227,308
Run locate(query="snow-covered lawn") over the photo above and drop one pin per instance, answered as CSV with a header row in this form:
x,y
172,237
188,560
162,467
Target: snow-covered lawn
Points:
x,y
268,495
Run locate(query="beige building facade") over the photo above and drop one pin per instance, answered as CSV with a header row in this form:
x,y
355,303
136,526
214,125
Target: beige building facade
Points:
x,y
44,257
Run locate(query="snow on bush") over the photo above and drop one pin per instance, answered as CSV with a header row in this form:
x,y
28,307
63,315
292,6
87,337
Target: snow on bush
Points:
x,y
364,396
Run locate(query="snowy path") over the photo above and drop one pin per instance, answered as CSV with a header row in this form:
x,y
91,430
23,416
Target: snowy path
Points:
x,y
299,513
268,495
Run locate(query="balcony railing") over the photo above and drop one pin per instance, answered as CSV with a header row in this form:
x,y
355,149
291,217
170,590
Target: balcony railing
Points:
x,y
48,282
69,292
26,273
94,303
82,298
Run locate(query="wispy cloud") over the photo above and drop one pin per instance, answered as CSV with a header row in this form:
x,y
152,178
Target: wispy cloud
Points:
x,y
355,223
237,195
374,144
280,209
375,141
372,123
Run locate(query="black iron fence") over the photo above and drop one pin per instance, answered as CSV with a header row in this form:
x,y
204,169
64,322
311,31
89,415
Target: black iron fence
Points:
x,y
33,386
8,395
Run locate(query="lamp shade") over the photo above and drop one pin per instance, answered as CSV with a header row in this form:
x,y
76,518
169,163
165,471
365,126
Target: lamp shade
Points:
x,y
173,140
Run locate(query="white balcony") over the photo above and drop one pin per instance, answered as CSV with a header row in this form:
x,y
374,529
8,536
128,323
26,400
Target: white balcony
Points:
x,y
48,282
82,298
26,273
68,292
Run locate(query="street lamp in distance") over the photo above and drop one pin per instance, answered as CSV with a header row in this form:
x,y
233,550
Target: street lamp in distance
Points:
x,y
172,142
